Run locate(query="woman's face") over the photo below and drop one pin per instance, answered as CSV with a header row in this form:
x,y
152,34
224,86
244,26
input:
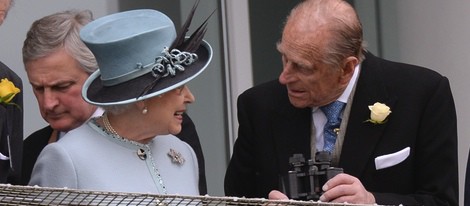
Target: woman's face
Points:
x,y
167,109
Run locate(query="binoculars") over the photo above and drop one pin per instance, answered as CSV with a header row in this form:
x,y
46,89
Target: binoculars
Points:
x,y
306,179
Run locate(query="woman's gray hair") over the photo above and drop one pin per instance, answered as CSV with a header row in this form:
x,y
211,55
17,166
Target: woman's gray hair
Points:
x,y
117,109
60,30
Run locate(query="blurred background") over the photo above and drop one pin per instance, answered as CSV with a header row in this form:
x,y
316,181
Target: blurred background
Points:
x,y
243,34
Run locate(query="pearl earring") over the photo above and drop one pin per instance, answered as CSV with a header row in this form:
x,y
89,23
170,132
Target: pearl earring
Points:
x,y
145,110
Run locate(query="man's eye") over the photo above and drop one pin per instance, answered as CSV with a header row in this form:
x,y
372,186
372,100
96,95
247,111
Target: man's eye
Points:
x,y
305,70
62,87
38,89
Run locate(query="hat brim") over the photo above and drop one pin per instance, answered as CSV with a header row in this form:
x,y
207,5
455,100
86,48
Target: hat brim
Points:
x,y
94,92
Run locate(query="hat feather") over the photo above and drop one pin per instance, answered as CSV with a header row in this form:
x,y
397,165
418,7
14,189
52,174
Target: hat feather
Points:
x,y
182,43
194,41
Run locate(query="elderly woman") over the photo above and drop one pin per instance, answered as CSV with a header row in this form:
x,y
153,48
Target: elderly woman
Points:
x,y
143,69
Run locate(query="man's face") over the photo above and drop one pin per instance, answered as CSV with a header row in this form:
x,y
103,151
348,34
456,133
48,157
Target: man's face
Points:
x,y
4,6
310,82
57,81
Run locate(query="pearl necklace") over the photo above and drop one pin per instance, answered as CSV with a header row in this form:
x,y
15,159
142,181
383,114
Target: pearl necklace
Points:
x,y
140,152
107,125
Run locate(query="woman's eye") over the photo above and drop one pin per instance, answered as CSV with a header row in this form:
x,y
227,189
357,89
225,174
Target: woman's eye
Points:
x,y
180,88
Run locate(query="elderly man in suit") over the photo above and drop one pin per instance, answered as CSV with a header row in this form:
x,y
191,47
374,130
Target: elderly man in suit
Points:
x,y
11,120
395,133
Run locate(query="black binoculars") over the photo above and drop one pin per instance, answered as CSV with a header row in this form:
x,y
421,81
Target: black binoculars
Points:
x,y
306,179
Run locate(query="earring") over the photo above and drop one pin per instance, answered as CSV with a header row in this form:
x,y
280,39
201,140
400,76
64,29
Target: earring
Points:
x,y
145,110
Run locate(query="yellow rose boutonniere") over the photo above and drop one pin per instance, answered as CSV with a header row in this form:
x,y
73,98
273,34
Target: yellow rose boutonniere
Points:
x,y
378,113
7,92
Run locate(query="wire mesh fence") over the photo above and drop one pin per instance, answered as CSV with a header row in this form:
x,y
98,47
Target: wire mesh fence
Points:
x,y
34,195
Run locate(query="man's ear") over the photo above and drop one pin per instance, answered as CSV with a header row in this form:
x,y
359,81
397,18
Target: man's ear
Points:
x,y
347,69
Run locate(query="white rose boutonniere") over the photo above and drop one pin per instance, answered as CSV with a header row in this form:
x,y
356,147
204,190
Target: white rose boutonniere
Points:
x,y
378,113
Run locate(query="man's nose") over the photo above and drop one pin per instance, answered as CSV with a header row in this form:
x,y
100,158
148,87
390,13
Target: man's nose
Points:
x,y
286,75
50,99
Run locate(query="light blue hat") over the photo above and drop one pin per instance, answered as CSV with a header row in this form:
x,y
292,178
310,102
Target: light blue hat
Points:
x,y
135,57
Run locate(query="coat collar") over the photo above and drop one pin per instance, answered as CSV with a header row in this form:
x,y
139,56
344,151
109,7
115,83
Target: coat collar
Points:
x,y
362,137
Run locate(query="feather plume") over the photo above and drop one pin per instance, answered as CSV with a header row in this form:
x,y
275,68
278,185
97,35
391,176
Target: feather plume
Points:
x,y
192,43
181,43
182,33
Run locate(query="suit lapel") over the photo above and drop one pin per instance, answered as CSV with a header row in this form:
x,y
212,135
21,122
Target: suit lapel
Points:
x,y
362,137
3,131
7,138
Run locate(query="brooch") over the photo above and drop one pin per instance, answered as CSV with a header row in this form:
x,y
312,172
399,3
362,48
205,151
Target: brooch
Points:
x,y
141,154
176,157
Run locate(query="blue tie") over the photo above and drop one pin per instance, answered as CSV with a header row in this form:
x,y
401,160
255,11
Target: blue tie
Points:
x,y
333,114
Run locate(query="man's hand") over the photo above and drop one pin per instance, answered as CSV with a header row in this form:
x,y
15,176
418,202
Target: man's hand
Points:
x,y
346,188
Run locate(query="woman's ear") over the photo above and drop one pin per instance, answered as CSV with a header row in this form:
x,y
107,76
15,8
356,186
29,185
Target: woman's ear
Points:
x,y
141,104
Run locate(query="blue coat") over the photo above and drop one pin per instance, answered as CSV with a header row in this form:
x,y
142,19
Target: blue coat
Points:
x,y
35,143
90,158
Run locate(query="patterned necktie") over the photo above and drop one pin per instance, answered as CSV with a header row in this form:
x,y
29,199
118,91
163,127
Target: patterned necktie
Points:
x,y
333,114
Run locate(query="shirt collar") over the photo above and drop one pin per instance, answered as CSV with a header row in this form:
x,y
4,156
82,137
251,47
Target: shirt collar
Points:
x,y
347,92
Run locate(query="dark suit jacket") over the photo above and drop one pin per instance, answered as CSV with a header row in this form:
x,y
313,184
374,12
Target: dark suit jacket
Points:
x,y
35,142
423,118
11,123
